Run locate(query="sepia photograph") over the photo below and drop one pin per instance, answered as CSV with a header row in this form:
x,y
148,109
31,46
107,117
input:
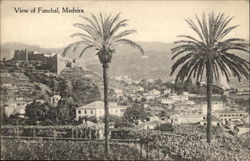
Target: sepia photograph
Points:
x,y
125,80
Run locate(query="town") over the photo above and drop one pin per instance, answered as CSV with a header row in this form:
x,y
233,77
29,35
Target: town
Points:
x,y
39,83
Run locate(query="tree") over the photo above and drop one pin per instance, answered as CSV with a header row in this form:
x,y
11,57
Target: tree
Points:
x,y
135,112
38,111
66,110
102,33
210,52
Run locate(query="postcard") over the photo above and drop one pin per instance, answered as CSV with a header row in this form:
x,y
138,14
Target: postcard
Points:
x,y
125,80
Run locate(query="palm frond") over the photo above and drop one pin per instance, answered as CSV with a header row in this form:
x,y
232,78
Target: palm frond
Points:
x,y
119,25
226,31
88,29
129,42
195,28
85,36
87,47
121,35
70,46
94,25
180,61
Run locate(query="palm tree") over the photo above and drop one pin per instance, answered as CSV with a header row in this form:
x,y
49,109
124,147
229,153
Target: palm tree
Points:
x,y
210,53
102,33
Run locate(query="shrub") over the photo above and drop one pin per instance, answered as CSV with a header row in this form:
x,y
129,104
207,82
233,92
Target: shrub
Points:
x,y
165,127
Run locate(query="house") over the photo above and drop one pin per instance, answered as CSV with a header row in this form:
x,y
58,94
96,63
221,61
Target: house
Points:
x,y
215,121
9,108
97,109
167,101
152,118
148,125
137,98
55,99
139,89
190,102
175,119
137,81
149,97
243,130
154,92
167,91
118,91
186,117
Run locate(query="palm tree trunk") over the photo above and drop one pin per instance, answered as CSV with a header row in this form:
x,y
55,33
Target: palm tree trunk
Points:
x,y
106,109
209,75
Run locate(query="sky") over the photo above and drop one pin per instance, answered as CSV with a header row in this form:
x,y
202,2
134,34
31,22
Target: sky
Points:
x,y
158,21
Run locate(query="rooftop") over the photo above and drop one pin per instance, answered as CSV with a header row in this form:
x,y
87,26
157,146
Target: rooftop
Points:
x,y
100,105
230,111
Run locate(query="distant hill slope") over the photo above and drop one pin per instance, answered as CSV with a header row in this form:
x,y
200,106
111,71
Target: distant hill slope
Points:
x,y
7,49
127,61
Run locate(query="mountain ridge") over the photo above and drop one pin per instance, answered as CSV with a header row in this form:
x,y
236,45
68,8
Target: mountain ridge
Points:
x,y
156,63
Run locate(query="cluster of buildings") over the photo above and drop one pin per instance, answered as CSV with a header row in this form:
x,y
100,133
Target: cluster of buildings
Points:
x,y
221,115
16,94
124,78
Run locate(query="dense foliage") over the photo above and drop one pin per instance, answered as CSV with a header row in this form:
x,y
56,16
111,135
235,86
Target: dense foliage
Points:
x,y
135,112
64,150
188,143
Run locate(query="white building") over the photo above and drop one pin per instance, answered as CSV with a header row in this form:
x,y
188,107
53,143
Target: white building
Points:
x,y
167,91
9,108
13,108
190,102
118,91
167,101
55,99
139,89
152,118
154,92
97,109
148,125
186,117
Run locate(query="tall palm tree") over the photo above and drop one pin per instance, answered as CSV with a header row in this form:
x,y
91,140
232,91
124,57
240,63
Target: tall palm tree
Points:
x,y
210,53
103,34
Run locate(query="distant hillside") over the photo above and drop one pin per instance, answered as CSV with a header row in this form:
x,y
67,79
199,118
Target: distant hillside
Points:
x,y
7,49
156,63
